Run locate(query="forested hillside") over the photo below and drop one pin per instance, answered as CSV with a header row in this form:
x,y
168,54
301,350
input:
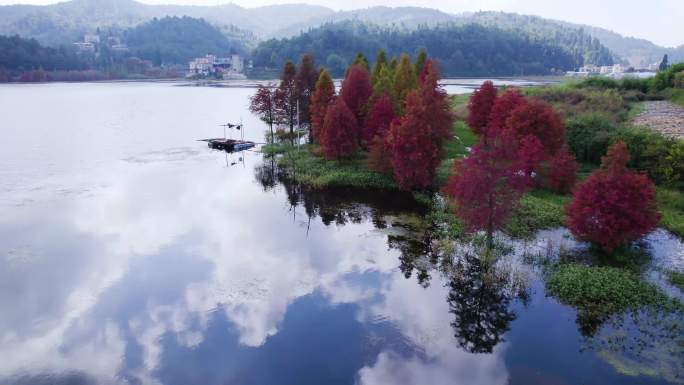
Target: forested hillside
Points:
x,y
178,39
469,50
19,54
582,45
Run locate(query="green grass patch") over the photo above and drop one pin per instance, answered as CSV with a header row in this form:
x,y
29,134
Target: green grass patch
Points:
x,y
671,206
675,95
676,278
456,147
538,210
598,292
304,166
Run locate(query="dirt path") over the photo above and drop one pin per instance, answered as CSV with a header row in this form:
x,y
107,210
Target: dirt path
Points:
x,y
664,117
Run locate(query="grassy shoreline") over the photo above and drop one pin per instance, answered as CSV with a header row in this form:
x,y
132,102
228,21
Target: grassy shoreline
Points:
x,y
538,209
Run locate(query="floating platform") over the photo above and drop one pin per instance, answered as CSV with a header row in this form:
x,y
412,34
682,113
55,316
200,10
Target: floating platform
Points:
x,y
229,145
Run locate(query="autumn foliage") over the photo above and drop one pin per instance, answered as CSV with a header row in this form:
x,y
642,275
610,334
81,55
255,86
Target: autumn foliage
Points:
x,y
539,119
340,131
479,107
487,184
323,97
378,120
356,90
416,141
614,205
562,171
503,107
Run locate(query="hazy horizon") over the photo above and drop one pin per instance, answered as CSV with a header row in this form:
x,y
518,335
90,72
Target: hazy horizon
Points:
x,y
657,22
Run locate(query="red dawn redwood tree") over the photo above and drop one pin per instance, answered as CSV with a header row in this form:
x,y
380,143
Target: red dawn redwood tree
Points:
x,y
434,107
305,83
356,90
340,131
487,185
541,120
503,107
415,156
416,143
323,97
562,171
263,105
378,119
531,154
480,106
287,96
614,205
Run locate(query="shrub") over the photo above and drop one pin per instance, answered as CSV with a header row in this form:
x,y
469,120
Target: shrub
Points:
x,y
589,136
660,157
679,80
613,205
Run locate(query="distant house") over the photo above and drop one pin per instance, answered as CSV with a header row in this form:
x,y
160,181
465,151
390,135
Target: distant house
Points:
x,y
231,67
84,46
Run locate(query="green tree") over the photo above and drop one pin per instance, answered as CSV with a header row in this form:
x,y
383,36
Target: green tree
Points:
x,y
664,64
404,80
362,61
420,61
380,63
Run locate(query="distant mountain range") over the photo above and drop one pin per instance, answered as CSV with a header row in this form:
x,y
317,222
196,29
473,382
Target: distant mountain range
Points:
x,y
63,23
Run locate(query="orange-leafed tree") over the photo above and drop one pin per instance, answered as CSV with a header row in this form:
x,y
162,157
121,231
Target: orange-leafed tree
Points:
x,y
323,97
614,205
480,106
340,131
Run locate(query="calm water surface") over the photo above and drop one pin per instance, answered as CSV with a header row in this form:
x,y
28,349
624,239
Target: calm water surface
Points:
x,y
131,253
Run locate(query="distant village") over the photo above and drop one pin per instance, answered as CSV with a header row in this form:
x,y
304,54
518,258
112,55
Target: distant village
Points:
x,y
219,67
616,71
208,66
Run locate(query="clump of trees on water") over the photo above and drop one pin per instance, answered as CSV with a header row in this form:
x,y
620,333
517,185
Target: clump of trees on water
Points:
x,y
522,144
396,111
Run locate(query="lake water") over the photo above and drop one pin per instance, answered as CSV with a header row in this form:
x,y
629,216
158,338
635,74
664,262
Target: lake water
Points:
x,y
130,253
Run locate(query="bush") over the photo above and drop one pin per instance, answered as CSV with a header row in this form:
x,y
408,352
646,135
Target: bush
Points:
x,y
662,158
589,136
679,79
599,82
665,79
571,101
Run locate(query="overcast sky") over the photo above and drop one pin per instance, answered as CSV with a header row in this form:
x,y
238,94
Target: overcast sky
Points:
x,y
661,21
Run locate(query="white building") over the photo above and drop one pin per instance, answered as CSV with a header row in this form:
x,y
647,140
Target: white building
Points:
x,y
210,64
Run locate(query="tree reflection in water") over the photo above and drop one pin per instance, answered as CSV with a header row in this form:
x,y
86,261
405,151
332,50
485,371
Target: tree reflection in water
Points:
x,y
480,299
480,293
